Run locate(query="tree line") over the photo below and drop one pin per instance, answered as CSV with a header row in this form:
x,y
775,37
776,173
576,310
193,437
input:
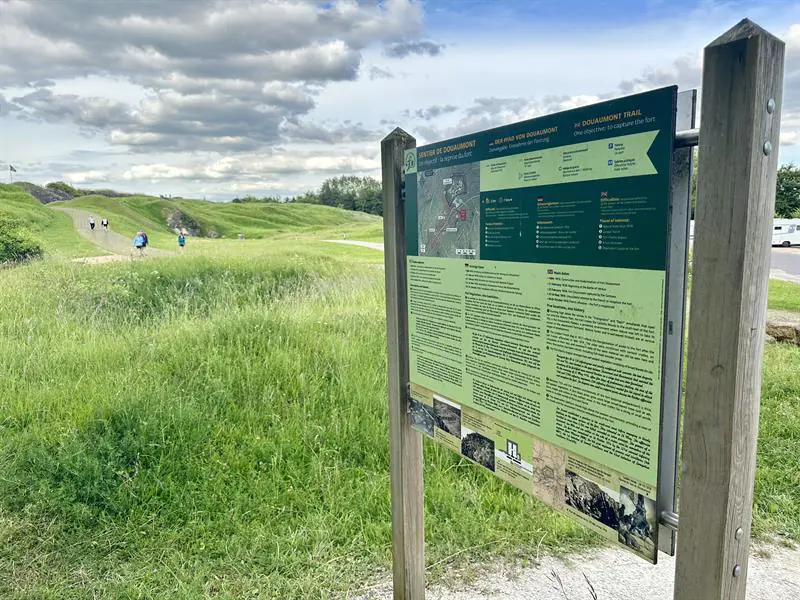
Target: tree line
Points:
x,y
349,192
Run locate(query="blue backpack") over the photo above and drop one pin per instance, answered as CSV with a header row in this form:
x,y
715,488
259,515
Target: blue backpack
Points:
x,y
138,241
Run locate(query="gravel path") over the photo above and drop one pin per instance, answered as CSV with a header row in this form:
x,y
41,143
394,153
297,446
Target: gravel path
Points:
x,y
109,241
614,574
99,260
373,245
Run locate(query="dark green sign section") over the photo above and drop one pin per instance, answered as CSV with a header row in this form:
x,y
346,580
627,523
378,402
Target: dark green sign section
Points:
x,y
588,186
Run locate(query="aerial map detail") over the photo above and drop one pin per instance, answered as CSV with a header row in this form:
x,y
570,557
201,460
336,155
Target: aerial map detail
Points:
x,y
448,201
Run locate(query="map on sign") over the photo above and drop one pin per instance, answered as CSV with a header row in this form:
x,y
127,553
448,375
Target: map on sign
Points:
x,y
448,204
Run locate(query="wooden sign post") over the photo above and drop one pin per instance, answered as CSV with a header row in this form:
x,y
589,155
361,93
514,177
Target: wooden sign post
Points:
x,y
408,541
738,139
741,98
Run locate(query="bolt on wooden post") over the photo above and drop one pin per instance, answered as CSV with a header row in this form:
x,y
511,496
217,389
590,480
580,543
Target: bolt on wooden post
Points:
x,y
741,100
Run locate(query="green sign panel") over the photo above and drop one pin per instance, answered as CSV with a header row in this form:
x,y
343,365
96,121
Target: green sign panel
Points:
x,y
536,269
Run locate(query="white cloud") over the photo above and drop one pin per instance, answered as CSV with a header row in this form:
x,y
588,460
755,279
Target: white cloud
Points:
x,y
215,76
217,96
86,177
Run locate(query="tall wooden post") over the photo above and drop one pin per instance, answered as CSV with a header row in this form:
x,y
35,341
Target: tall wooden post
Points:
x,y
408,541
741,100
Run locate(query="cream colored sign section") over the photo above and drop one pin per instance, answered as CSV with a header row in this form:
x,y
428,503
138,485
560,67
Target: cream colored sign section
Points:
x,y
610,158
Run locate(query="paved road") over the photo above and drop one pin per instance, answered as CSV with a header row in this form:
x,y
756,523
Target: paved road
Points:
x,y
785,264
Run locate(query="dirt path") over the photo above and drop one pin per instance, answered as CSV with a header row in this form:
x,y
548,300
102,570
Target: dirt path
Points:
x,y
614,574
98,260
118,245
373,245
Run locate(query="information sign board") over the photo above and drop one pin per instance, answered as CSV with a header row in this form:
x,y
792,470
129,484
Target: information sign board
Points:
x,y
536,268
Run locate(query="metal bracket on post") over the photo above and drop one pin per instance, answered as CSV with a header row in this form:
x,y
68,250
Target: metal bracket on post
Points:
x,y
680,214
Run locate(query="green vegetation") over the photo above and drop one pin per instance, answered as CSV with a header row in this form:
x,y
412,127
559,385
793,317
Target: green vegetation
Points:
x,y
787,193
53,231
64,187
216,427
349,192
784,296
777,491
353,193
254,220
213,425
16,243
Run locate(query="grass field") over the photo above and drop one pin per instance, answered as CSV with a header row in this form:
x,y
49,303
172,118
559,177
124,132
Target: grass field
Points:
x,y
213,425
254,220
52,229
784,296
52,224
216,427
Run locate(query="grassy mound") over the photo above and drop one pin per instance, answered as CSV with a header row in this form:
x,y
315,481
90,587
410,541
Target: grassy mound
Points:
x,y
52,229
212,219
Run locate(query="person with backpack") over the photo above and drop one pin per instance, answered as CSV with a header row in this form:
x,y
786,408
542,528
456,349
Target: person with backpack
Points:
x,y
139,242
181,241
144,235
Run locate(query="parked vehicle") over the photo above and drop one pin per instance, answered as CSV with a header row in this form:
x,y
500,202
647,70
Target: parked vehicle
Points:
x,y
786,232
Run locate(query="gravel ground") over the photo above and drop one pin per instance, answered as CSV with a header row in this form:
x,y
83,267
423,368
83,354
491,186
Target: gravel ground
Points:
x,y
615,574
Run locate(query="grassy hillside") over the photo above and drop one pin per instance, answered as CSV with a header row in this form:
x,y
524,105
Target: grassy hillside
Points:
x,y
254,220
52,229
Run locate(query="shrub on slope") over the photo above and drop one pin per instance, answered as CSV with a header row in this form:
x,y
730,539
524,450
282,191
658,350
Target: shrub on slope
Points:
x,y
16,244
52,229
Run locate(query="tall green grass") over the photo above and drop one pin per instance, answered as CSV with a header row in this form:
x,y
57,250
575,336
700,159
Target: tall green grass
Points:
x,y
784,295
214,425
191,428
53,230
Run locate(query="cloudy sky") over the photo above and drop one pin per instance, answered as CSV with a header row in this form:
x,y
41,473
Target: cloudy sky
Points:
x,y
224,98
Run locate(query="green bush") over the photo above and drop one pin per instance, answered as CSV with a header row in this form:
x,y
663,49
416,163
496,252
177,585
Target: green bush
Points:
x,y
64,187
16,243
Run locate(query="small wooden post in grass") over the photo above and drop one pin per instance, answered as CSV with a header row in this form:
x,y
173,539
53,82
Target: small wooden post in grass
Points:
x,y
741,100
408,540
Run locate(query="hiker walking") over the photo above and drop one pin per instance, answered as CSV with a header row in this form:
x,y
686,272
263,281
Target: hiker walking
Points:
x,y
139,242
146,240
91,222
181,240
104,223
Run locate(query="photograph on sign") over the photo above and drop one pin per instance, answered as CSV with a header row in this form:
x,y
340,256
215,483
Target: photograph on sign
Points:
x,y
536,270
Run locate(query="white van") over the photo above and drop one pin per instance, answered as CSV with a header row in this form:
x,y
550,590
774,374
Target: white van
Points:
x,y
786,232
